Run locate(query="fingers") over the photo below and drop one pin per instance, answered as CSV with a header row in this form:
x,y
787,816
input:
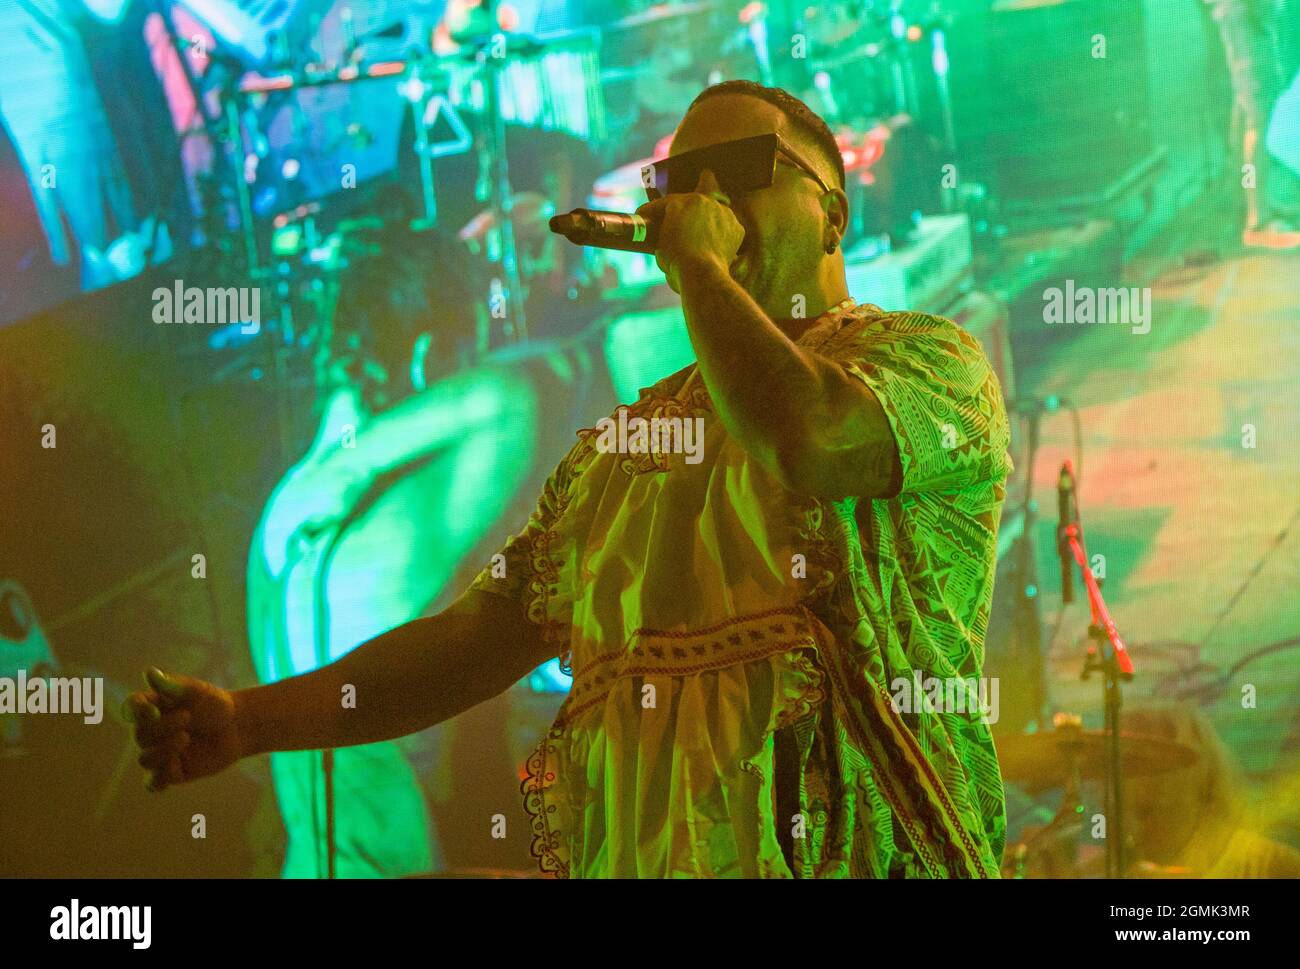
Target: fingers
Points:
x,y
652,209
689,205
171,689
140,708
159,755
154,732
708,185
153,727
165,776
162,759
162,720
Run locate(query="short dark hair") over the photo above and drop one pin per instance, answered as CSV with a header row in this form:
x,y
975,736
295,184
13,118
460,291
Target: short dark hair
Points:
x,y
802,116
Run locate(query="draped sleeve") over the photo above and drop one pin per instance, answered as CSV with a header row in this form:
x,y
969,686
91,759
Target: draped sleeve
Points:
x,y
535,567
941,396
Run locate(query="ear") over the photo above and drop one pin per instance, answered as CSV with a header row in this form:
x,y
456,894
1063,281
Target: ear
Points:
x,y
835,204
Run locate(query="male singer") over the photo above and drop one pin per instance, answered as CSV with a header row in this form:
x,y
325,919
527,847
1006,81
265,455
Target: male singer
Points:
x,y
775,648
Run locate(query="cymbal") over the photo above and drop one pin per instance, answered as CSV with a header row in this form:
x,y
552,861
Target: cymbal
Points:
x,y
1047,759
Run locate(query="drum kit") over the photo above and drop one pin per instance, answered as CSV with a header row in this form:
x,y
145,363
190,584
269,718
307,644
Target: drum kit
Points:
x,y
1065,758
472,84
261,213
1109,841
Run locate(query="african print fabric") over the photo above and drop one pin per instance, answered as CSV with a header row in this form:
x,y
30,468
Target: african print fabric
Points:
x,y
720,627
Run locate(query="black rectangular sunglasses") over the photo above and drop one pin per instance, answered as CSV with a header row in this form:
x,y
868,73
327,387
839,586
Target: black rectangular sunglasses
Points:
x,y
740,166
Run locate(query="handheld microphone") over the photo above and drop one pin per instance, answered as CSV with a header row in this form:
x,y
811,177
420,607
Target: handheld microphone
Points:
x,y
625,231
1064,513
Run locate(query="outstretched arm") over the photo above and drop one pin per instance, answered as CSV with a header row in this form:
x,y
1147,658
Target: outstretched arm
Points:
x,y
404,680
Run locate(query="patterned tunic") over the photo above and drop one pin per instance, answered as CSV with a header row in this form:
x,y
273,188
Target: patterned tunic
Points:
x,y
735,646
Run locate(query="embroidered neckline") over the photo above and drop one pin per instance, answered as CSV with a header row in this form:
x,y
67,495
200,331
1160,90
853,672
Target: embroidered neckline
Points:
x,y
829,321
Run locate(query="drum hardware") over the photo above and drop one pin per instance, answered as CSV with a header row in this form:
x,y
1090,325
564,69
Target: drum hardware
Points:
x,y
425,85
254,30
551,81
1065,757
425,113
317,75
500,195
1106,655
521,79
1054,758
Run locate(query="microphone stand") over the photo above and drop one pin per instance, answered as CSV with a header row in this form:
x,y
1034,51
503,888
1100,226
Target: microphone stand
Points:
x,y
1107,655
501,195
1027,626
320,580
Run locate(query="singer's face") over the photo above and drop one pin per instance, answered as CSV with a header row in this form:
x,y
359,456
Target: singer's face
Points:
x,y
786,223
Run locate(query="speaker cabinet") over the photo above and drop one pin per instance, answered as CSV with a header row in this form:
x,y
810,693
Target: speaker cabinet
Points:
x,y
1049,96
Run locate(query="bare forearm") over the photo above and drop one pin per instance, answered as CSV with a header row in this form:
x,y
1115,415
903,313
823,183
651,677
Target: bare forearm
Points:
x,y
754,372
404,680
794,411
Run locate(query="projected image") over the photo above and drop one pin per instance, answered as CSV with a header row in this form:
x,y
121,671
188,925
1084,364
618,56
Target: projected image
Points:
x,y
649,440
80,107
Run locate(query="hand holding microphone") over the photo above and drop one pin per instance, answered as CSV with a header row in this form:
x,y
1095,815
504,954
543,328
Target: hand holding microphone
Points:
x,y
628,232
683,229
